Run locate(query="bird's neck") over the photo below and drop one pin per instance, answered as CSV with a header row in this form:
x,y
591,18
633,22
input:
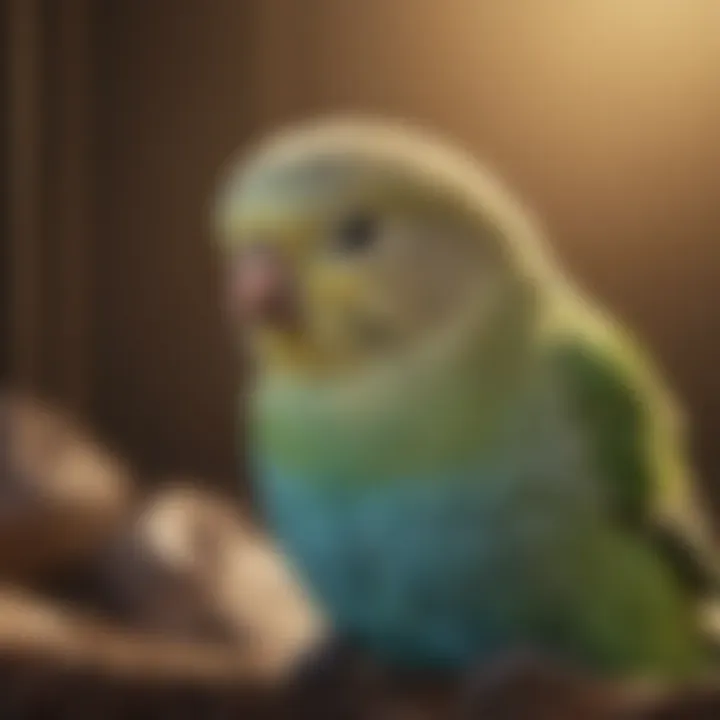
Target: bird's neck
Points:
x,y
436,410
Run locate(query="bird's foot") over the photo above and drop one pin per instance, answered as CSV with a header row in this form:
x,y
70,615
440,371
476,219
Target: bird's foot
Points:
x,y
335,681
530,686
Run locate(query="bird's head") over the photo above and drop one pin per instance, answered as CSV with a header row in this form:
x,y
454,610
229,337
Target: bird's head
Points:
x,y
350,244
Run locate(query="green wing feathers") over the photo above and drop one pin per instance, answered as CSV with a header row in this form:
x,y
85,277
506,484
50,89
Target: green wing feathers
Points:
x,y
635,437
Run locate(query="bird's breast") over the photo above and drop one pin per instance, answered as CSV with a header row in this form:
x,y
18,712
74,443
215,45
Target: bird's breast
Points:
x,y
448,560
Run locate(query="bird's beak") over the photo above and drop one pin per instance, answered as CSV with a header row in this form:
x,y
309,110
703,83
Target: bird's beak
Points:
x,y
261,289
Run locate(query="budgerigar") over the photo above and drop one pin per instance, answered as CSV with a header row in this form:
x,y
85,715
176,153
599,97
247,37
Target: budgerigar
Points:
x,y
461,454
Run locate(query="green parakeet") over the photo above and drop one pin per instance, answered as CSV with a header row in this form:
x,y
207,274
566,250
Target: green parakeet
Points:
x,y
459,451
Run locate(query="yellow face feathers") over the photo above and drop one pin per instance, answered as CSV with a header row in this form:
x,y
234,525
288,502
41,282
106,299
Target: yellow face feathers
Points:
x,y
386,236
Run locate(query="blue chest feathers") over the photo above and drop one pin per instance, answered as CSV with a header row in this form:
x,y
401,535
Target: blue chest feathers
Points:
x,y
440,570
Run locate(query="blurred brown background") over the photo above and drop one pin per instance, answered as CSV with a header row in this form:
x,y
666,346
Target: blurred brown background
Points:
x,y
604,114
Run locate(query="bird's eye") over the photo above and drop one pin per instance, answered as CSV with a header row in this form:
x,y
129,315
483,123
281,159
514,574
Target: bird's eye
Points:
x,y
357,233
